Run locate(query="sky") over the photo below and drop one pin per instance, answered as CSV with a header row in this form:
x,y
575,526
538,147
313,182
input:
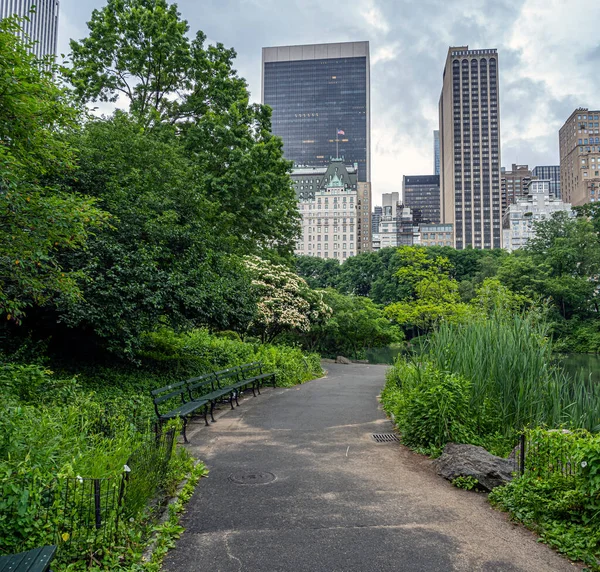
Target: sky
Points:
x,y
549,62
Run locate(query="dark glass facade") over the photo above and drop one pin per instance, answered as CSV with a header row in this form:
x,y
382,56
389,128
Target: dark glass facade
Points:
x,y
311,101
422,196
552,173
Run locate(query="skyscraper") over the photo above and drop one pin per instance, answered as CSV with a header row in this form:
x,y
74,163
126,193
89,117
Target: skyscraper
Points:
x,y
40,27
470,147
579,141
552,174
421,193
320,96
436,152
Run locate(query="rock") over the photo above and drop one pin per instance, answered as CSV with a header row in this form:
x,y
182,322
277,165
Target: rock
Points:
x,y
472,461
342,359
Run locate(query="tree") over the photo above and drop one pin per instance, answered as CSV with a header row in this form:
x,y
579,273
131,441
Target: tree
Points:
x,y
433,293
38,220
138,50
164,261
356,324
318,272
286,303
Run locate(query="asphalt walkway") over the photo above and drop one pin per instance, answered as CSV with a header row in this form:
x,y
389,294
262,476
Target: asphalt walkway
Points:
x,y
297,484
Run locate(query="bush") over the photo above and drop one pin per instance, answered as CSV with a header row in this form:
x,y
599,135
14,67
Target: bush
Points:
x,y
431,407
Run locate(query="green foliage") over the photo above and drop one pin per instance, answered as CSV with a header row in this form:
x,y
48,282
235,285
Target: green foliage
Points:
x,y
138,49
160,263
430,407
355,325
433,294
467,483
318,272
508,358
38,220
185,355
559,495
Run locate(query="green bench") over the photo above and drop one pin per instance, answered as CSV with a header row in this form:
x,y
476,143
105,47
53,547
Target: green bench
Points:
x,y
36,560
173,401
184,398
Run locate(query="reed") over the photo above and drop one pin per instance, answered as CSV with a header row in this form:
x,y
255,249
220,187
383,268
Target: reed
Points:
x,y
508,359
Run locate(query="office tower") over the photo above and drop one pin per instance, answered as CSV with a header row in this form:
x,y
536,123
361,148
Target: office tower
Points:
x,y
470,147
375,218
579,140
421,193
436,152
549,173
513,184
328,204
320,96
41,27
537,204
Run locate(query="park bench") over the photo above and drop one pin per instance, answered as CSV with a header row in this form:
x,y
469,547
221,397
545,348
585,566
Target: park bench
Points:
x,y
232,379
175,399
254,372
207,387
184,398
36,560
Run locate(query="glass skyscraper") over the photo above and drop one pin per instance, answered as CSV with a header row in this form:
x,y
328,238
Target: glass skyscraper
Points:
x,y
320,96
40,27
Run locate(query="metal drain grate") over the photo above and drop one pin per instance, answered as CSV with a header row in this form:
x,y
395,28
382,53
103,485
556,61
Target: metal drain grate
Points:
x,y
385,437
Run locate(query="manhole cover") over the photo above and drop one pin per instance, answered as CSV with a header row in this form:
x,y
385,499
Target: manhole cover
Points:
x,y
385,437
258,478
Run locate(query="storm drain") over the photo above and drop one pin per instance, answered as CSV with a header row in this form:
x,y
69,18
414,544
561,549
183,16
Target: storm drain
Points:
x,y
385,437
257,478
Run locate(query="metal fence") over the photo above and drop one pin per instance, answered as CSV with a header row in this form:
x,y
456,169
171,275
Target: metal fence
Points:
x,y
547,453
78,512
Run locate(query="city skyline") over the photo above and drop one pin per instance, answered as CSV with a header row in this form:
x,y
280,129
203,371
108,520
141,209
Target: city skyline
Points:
x,y
544,73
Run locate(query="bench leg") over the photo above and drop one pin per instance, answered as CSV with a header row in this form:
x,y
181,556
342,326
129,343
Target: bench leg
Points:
x,y
231,400
185,439
253,391
206,415
236,394
212,407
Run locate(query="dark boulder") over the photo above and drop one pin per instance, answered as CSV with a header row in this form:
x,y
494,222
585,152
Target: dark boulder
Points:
x,y
342,359
472,461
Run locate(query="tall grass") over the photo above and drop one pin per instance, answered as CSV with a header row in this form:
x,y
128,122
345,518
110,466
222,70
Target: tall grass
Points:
x,y
508,359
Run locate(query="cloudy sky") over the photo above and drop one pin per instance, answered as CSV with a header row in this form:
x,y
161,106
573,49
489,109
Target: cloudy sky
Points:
x,y
549,62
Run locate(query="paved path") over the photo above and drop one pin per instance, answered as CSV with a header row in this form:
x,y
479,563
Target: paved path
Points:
x,y
339,502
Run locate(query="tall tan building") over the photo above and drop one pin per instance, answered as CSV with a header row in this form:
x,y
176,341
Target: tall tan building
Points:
x,y
579,141
470,147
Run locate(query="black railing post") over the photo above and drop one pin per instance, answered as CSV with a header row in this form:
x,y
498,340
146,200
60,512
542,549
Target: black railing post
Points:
x,y
97,503
522,453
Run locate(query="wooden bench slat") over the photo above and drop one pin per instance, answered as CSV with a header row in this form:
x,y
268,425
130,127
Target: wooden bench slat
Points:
x,y
36,560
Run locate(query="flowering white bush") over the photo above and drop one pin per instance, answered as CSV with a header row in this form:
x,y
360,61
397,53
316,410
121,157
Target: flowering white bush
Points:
x,y
286,301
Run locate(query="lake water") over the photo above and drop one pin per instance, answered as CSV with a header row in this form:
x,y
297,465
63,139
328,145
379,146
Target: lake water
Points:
x,y
572,363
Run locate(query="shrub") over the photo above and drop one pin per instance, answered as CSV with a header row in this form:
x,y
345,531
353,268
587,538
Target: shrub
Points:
x,y
431,407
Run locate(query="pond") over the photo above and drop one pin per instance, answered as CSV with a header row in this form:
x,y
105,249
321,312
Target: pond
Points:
x,y
572,363
590,363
